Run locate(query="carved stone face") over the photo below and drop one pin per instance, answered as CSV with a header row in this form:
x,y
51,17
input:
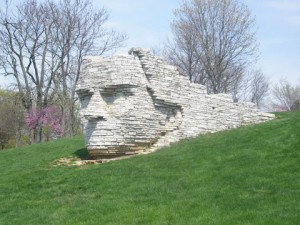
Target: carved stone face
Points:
x,y
115,124
120,118
131,103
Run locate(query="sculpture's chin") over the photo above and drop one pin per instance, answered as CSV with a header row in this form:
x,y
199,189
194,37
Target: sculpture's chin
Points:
x,y
108,152
98,153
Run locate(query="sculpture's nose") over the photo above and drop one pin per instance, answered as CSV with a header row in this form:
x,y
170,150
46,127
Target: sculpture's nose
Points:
x,y
96,108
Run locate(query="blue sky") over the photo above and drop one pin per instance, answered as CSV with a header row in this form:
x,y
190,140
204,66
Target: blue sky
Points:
x,y
147,24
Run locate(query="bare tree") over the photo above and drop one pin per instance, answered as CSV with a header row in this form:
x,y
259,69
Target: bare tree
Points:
x,y
286,96
182,53
214,42
254,87
42,46
259,87
24,38
78,31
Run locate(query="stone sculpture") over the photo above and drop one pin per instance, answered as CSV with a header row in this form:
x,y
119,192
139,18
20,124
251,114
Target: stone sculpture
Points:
x,y
137,103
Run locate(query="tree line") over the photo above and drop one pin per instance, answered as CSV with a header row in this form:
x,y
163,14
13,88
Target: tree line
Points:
x,y
214,43
42,45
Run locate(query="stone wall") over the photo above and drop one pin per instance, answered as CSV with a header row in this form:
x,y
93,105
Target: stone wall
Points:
x,y
137,103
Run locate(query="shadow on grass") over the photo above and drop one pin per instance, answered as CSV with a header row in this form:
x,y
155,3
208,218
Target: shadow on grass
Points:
x,y
82,154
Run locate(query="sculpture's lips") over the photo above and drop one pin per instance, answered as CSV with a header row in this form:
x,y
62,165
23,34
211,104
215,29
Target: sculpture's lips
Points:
x,y
92,118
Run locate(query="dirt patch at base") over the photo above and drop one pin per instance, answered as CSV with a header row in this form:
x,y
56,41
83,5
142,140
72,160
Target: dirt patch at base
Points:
x,y
74,161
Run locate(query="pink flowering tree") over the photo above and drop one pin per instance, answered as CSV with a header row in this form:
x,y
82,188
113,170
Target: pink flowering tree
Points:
x,y
46,120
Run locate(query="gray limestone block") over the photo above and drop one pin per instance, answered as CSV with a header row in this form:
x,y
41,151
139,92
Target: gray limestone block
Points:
x,y
136,103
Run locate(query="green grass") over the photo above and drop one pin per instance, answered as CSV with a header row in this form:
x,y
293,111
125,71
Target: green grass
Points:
x,y
249,175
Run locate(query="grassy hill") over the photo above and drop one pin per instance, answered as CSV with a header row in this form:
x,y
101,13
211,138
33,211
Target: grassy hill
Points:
x,y
249,175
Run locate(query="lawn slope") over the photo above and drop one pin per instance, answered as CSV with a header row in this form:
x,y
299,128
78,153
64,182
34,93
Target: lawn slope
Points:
x,y
249,175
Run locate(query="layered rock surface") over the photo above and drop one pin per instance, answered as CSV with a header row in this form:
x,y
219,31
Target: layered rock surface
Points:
x,y
137,103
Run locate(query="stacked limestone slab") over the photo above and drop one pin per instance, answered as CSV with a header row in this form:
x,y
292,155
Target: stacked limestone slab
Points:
x,y
137,103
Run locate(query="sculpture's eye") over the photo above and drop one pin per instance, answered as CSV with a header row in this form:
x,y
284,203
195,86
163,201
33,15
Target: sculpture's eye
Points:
x,y
84,97
108,97
115,93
